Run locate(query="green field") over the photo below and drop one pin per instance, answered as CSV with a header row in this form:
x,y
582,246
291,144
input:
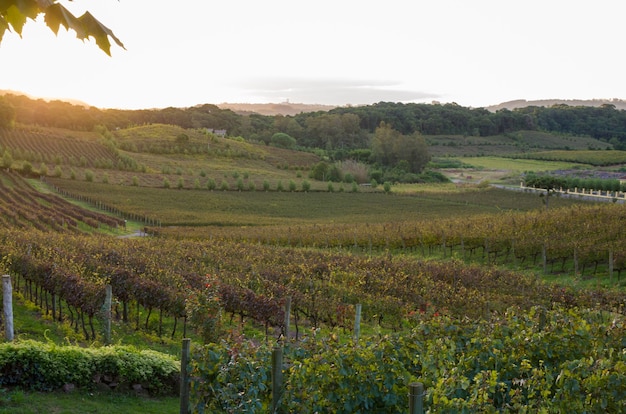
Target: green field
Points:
x,y
519,165
171,207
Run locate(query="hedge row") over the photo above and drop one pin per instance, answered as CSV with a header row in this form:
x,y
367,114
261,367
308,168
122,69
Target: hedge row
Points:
x,y
45,367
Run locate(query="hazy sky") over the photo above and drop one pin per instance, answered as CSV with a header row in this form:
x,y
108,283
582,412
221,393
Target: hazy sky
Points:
x,y
182,53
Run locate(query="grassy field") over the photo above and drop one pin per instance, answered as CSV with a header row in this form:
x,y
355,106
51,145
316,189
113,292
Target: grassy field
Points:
x,y
520,142
597,158
253,208
81,402
502,170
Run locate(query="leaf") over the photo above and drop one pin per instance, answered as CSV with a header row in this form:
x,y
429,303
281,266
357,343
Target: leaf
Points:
x,y
3,27
57,15
100,32
16,19
16,13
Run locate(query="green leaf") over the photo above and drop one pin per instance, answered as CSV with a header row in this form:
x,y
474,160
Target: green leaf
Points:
x,y
16,19
3,27
56,15
100,32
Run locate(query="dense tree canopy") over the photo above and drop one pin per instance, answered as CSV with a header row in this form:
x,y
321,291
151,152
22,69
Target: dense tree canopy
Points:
x,y
7,114
15,13
340,130
390,148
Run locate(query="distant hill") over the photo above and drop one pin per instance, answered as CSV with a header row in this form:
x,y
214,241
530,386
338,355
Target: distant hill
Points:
x,y
272,109
522,103
68,100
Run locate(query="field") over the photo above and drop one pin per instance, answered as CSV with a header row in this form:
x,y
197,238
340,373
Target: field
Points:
x,y
521,142
446,276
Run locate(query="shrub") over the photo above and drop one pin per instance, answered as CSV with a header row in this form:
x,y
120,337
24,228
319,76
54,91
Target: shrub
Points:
x,y
58,172
27,168
224,186
387,187
89,176
306,186
292,185
135,182
279,186
211,185
166,183
266,185
46,367
282,140
7,159
181,183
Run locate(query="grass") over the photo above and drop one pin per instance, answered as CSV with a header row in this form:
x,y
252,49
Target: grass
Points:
x,y
519,142
518,165
598,158
81,402
173,207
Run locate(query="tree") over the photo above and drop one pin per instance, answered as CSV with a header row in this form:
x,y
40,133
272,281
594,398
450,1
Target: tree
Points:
x,y
15,13
282,140
390,147
383,143
7,114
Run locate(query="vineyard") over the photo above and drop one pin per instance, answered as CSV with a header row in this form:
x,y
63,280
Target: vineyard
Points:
x,y
53,147
444,321
21,206
451,285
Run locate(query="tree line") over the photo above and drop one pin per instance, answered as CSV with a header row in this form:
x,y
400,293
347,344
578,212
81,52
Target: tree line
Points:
x,y
342,128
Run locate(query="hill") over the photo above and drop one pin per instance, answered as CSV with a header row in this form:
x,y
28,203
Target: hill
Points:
x,y
522,103
271,109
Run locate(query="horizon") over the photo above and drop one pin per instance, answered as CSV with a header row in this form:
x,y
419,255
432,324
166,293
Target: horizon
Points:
x,y
331,53
78,102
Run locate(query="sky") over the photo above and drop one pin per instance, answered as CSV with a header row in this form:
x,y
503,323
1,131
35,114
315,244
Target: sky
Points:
x,y
183,53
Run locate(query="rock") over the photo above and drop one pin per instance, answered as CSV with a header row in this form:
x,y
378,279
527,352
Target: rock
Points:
x,y
139,390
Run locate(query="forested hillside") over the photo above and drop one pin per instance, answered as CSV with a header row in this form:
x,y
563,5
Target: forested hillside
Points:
x,y
339,128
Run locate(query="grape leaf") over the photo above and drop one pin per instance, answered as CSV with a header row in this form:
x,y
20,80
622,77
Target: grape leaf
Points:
x,y
4,26
56,15
15,13
100,32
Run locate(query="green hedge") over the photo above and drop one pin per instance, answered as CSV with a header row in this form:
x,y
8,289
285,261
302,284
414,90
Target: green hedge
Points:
x,y
44,367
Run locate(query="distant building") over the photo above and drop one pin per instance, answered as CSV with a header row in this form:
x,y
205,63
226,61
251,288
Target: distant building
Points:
x,y
217,132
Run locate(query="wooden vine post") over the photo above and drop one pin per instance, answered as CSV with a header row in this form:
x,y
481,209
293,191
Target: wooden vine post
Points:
x,y
357,323
416,398
7,300
287,316
184,377
277,377
108,300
